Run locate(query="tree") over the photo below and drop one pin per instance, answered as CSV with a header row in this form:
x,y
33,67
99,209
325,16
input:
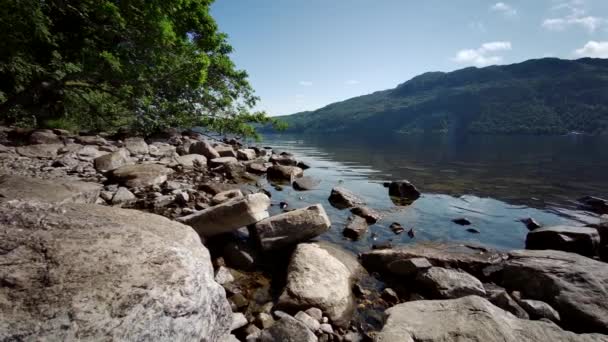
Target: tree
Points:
x,y
100,64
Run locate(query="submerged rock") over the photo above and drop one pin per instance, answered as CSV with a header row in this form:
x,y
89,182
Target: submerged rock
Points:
x,y
342,198
97,273
305,183
403,190
580,240
56,190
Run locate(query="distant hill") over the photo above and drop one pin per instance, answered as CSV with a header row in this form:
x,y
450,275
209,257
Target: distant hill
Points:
x,y
543,96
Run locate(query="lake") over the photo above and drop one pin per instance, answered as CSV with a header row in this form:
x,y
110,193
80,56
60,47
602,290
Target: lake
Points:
x,y
494,181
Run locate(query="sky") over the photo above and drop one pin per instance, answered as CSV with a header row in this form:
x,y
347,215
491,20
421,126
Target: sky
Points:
x,y
305,54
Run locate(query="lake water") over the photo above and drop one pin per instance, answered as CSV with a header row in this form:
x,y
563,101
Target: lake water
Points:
x,y
492,181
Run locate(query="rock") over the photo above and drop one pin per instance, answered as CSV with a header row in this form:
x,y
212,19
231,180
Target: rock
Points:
x,y
230,338
56,190
285,160
160,149
315,313
308,321
112,161
390,296
257,168
539,310
216,188
409,267
581,240
238,321
284,173
264,320
370,215
353,336
531,223
291,227
473,231
303,165
576,286
252,331
315,278
98,273
326,328
91,140
190,161
287,329
225,151
342,198
246,154
240,255
595,204
305,183
463,221
87,153
356,226
396,228
438,254
225,196
223,276
205,149
123,196
140,175
468,319
163,201
403,189
448,284
229,216
222,161
505,302
44,137
43,151
136,146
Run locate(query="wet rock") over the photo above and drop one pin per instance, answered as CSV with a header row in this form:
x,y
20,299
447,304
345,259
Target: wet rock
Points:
x,y
305,183
257,168
403,189
122,197
447,284
580,240
246,154
226,196
342,198
356,226
539,310
468,319
303,165
136,146
292,227
283,160
396,228
505,302
370,215
140,175
318,279
43,151
308,321
229,216
103,273
531,223
112,161
284,173
91,140
409,267
44,137
205,149
473,231
463,221
595,204
191,161
56,190
225,151
287,329
222,161
574,285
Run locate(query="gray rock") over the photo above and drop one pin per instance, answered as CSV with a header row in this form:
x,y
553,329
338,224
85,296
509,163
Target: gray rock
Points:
x,y
45,151
163,201
315,278
342,198
326,328
56,190
222,161
403,189
308,321
87,153
123,196
288,329
223,276
112,161
225,151
91,140
190,161
285,160
539,310
305,183
581,240
229,216
576,286
140,175
44,137
205,149
246,154
98,273
257,168
160,149
468,319
226,196
315,313
409,267
505,302
230,338
137,146
291,227
284,173
356,226
370,215
447,284
238,321
181,196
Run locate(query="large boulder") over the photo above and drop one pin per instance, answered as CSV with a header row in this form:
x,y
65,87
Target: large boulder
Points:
x,y
580,240
315,278
229,216
56,190
448,284
342,198
46,151
205,149
136,146
96,273
468,319
574,285
112,161
141,175
291,227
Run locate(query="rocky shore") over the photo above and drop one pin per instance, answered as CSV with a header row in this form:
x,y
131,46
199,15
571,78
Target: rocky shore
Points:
x,y
170,238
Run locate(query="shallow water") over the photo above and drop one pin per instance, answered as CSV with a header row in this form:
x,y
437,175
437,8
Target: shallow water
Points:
x,y
492,181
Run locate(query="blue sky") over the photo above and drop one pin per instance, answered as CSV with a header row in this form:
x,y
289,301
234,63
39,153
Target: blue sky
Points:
x,y
305,54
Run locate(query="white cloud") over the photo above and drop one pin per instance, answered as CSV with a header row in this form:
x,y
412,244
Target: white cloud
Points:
x,y
576,16
305,83
593,49
352,82
506,9
484,55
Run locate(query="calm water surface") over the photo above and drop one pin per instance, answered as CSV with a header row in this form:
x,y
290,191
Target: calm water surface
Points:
x,y
493,181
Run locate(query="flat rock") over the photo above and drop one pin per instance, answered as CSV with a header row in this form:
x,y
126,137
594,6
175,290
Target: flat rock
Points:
x,y
409,267
317,279
44,137
370,215
160,149
445,283
97,273
225,151
141,175
222,161
257,168
291,227
45,151
581,240
229,216
56,190
574,285
190,161
136,146
205,149
90,140
342,198
468,319
305,183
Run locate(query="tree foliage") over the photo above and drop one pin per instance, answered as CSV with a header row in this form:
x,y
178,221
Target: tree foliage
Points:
x,y
100,64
